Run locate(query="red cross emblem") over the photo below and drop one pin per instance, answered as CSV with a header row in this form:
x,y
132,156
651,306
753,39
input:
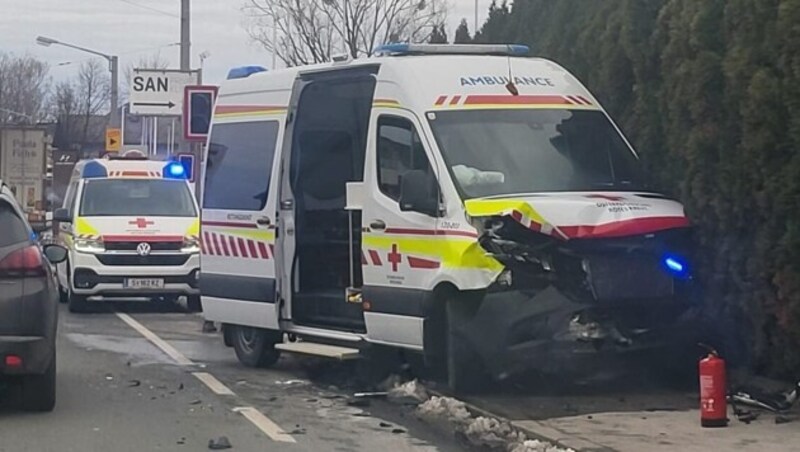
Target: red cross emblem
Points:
x,y
140,223
607,197
394,257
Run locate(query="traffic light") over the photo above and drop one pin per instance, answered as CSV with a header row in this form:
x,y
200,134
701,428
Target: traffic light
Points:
x,y
198,106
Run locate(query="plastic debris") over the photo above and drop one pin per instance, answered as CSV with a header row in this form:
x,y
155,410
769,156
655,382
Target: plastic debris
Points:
x,y
220,443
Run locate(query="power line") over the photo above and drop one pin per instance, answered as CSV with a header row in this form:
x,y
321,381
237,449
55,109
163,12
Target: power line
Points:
x,y
155,10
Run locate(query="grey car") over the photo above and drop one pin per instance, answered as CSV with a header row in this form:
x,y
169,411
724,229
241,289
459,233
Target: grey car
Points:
x,y
28,308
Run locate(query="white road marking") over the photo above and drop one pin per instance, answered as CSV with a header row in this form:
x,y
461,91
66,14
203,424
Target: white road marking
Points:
x,y
213,384
157,341
265,424
257,418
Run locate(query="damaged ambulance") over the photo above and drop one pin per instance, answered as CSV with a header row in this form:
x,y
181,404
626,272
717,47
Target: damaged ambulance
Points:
x,y
463,202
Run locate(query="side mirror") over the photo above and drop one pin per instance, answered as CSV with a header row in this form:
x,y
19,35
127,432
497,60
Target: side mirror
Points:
x,y
55,253
418,193
62,216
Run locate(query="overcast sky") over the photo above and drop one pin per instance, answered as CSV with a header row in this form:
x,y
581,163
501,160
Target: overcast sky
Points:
x,y
131,30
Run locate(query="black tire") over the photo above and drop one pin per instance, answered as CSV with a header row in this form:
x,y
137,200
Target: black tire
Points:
x,y
63,295
466,373
227,334
255,347
38,392
78,303
193,303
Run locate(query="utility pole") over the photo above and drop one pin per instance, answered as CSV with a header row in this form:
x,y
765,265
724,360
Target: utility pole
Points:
x,y
186,36
113,64
475,30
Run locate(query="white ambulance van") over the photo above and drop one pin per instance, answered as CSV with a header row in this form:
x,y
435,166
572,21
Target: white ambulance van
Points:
x,y
132,228
464,203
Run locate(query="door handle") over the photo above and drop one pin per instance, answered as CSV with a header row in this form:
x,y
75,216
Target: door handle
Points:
x,y
263,221
378,225
287,205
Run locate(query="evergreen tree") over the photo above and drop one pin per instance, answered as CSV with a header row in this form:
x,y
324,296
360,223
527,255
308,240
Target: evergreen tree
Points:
x,y
462,35
439,35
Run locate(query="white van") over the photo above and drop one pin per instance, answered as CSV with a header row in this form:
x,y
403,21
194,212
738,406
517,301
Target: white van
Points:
x,y
132,227
462,202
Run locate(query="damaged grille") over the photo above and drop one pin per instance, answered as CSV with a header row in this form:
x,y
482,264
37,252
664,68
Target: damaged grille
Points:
x,y
627,277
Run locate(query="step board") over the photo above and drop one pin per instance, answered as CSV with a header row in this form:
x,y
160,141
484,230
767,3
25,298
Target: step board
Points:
x,y
321,350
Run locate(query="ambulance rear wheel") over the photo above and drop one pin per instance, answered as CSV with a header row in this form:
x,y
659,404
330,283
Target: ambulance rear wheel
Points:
x,y
255,347
465,370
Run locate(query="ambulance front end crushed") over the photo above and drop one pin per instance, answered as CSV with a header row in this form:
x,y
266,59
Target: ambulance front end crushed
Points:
x,y
586,299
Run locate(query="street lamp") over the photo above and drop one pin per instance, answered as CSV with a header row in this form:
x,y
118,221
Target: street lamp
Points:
x,y
113,67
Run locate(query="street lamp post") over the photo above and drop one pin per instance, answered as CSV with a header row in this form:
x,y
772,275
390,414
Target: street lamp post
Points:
x,y
113,67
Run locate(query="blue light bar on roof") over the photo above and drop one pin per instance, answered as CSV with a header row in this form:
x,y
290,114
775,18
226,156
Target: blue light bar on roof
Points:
x,y
174,170
93,170
244,71
399,49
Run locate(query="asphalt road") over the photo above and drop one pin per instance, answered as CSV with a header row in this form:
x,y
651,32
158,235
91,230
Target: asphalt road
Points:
x,y
135,378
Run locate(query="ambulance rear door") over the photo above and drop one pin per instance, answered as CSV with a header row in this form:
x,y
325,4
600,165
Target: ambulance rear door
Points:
x,y
238,211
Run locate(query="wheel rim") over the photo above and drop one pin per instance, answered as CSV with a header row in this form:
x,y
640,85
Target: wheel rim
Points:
x,y
247,338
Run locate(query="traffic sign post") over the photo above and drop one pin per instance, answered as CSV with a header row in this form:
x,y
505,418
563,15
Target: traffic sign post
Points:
x,y
198,107
113,139
156,92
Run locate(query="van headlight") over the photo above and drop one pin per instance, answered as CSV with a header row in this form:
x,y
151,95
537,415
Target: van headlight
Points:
x,y
191,245
91,246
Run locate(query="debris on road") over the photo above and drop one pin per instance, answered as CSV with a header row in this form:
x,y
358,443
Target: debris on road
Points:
x,y
109,377
196,402
409,391
291,382
134,383
220,443
378,394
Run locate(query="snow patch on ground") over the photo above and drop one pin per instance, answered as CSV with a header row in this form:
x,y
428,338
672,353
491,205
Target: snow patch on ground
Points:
x,y
481,431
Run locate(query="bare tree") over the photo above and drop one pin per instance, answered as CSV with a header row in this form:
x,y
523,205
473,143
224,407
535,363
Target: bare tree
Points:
x,y
93,94
64,108
311,31
23,88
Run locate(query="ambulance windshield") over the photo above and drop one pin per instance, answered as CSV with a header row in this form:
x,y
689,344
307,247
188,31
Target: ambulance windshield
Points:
x,y
504,152
137,197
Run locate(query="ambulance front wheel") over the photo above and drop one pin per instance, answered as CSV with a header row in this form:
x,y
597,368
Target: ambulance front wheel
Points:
x,y
255,347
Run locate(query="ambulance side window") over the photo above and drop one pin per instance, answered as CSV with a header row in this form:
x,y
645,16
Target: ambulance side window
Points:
x,y
399,150
239,165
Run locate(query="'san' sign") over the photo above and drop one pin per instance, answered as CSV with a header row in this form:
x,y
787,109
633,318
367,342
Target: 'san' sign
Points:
x,y
159,91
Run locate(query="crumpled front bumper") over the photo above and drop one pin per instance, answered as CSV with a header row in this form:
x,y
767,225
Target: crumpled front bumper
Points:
x,y
517,331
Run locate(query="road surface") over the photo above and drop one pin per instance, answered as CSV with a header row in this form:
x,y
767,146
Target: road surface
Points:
x,y
134,378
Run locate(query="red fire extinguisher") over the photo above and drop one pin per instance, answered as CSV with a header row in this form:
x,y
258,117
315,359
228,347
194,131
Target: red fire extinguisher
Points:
x,y
713,391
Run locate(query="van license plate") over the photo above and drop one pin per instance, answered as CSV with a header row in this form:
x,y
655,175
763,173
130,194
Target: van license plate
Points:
x,y
142,283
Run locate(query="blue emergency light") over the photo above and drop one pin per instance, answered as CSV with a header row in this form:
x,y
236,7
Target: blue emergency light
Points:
x,y
174,170
404,48
244,71
676,265
93,170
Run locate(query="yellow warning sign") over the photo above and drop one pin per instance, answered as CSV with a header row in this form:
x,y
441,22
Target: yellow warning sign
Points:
x,y
113,140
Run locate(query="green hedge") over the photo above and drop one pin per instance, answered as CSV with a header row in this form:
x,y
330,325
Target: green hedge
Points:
x,y
709,93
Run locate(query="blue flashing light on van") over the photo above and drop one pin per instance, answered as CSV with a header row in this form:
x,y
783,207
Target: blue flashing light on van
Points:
x,y
244,71
174,170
